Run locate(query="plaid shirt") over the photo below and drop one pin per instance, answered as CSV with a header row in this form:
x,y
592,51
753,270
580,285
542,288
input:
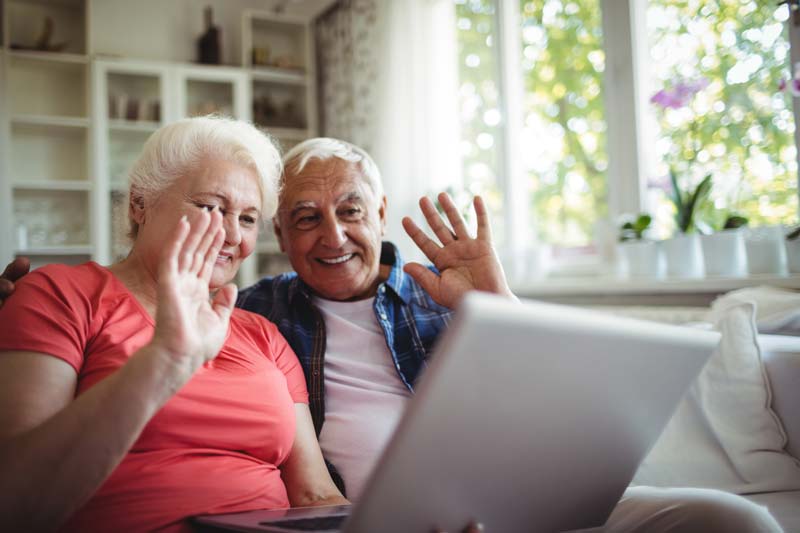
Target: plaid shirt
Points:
x,y
411,321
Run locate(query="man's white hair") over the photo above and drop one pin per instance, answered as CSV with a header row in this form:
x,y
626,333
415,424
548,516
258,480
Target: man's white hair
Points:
x,y
324,148
182,146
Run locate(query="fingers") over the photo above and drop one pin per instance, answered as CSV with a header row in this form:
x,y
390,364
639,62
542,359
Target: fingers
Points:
x,y
190,258
435,222
482,214
423,242
224,300
172,250
207,240
453,215
211,255
16,269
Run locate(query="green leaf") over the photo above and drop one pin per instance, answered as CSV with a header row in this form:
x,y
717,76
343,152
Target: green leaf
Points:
x,y
695,199
735,221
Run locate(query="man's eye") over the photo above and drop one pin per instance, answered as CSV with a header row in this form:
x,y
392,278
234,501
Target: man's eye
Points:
x,y
350,213
307,222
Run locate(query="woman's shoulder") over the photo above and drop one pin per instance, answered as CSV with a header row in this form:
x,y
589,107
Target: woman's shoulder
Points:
x,y
83,276
252,322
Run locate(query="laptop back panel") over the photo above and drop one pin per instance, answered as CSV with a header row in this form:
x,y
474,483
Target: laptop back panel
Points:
x,y
533,416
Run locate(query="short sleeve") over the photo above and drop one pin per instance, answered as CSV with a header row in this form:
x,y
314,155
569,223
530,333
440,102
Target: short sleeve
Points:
x,y
46,314
287,362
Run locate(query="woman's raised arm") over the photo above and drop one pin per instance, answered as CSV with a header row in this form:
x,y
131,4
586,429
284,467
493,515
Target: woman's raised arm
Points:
x,y
55,449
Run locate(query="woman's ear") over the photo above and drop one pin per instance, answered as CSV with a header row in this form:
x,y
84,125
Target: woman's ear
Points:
x,y
136,206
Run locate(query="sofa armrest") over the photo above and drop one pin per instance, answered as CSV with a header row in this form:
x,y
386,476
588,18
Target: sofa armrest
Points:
x,y
781,357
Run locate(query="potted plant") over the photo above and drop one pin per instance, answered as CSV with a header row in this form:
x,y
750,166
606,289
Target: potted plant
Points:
x,y
683,252
766,250
724,250
639,257
793,250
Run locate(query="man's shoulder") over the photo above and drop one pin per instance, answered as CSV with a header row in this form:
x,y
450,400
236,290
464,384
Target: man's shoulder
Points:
x,y
267,293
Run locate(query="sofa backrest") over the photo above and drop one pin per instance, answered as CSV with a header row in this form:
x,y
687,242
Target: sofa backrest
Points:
x,y
781,356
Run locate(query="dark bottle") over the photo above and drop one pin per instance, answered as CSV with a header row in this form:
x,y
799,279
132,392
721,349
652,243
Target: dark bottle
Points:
x,y
208,45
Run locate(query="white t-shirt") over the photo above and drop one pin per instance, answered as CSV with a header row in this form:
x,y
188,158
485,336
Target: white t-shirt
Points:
x,y
364,395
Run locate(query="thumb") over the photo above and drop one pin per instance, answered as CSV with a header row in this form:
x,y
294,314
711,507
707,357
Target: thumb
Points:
x,y
427,279
224,301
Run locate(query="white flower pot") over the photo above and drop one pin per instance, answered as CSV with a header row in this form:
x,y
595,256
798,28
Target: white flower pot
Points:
x,y
641,259
684,257
724,254
793,255
766,250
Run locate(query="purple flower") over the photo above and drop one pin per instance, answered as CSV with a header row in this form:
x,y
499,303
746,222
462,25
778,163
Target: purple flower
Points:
x,y
680,94
662,183
782,85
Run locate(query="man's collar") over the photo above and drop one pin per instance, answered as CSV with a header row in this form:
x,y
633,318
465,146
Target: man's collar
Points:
x,y
398,280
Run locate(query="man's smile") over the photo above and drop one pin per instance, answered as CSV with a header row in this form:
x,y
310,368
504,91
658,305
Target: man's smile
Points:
x,y
335,260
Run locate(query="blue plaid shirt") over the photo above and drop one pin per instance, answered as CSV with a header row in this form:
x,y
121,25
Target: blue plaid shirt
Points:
x,y
411,322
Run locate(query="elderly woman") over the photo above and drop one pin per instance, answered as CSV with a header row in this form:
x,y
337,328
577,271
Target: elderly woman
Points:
x,y
135,396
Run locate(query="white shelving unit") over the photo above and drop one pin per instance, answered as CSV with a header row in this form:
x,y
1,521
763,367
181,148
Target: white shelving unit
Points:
x,y
73,120
279,54
46,128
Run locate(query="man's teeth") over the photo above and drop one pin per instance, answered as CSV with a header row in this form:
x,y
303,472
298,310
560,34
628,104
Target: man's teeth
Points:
x,y
336,260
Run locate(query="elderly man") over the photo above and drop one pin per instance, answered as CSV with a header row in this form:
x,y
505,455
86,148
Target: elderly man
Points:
x,y
363,322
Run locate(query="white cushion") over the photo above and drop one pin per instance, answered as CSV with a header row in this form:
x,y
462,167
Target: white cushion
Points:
x,y
724,434
777,310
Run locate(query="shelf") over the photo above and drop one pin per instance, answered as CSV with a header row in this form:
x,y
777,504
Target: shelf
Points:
x,y
53,185
52,57
50,121
56,250
279,75
140,126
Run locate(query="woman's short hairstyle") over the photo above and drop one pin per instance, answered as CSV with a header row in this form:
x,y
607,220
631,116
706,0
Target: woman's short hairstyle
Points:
x,y
180,147
324,148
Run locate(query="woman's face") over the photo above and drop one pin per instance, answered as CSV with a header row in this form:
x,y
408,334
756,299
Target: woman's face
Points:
x,y
230,187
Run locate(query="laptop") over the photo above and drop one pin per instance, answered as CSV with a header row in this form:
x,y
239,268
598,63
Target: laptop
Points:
x,y
529,417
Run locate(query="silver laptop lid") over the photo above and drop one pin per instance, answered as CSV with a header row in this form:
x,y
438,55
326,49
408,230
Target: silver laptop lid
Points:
x,y
530,417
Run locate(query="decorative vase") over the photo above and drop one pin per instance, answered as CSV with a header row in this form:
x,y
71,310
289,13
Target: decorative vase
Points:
x,y
766,251
641,259
793,255
724,254
684,256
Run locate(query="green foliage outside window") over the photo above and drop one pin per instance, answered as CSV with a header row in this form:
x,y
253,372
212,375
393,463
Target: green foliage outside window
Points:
x,y
740,127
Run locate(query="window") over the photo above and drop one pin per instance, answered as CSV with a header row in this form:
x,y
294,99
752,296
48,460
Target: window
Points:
x,y
590,144
739,126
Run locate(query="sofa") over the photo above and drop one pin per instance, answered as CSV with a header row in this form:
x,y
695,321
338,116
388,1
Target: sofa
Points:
x,y
738,427
782,365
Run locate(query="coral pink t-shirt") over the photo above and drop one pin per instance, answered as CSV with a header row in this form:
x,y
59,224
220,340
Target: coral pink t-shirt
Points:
x,y
214,447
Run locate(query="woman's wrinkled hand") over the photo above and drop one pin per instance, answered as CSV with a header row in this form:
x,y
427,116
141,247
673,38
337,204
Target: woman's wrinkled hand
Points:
x,y
190,325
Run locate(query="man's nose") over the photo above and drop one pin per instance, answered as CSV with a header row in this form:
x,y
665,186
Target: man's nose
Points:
x,y
333,233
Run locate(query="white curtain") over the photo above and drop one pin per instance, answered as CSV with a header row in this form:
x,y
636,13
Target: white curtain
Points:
x,y
389,83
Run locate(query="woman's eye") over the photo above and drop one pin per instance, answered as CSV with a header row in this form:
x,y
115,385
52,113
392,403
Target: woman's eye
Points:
x,y
248,220
207,207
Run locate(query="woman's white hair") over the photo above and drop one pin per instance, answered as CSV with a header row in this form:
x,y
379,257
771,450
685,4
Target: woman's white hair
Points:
x,y
182,146
324,148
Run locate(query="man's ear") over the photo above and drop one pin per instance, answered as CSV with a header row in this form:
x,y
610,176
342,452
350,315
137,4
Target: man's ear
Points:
x,y
382,214
276,228
136,206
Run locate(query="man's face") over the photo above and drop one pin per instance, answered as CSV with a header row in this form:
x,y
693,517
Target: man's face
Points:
x,y
330,225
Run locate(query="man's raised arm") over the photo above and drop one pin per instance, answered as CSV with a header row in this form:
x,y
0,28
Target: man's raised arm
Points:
x,y
464,262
